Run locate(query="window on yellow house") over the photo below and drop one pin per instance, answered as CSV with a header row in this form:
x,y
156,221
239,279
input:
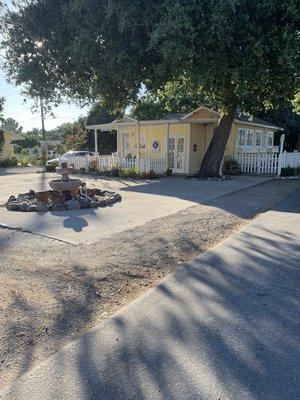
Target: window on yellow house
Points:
x,y
143,140
270,139
241,138
258,138
249,138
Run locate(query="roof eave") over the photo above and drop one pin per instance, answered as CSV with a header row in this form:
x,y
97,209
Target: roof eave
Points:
x,y
277,128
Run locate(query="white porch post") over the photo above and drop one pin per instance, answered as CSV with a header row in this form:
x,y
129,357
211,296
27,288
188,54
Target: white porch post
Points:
x,y
167,144
138,144
96,141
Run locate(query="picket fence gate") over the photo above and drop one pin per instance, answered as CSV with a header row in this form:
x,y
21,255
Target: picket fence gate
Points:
x,y
114,161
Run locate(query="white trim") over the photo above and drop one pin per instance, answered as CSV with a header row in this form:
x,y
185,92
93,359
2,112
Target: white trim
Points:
x,y
114,125
198,109
277,128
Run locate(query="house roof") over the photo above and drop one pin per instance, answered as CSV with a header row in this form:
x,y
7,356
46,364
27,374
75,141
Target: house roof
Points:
x,y
175,115
14,136
181,117
243,118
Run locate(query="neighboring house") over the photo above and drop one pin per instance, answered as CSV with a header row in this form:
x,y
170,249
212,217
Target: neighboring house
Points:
x,y
6,143
183,138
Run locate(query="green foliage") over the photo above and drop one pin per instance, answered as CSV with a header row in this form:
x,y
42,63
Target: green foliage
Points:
x,y
1,108
107,140
75,135
31,138
99,115
289,121
231,167
11,125
290,171
235,54
2,141
24,161
50,168
129,172
9,162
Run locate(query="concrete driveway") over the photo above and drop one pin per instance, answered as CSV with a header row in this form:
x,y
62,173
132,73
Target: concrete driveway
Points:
x,y
142,202
223,327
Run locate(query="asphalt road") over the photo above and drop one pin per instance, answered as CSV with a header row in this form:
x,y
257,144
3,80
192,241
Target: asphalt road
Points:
x,y
223,327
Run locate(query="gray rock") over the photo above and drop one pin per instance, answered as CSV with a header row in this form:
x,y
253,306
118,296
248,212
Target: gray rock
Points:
x,y
31,208
13,206
41,207
94,204
109,201
23,207
117,197
84,201
101,203
11,198
73,205
58,207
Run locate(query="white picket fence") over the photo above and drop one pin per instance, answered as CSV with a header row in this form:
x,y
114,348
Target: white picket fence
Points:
x,y
267,163
113,161
258,163
289,160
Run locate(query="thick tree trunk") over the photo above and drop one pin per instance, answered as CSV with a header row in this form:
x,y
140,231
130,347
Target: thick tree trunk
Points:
x,y
211,163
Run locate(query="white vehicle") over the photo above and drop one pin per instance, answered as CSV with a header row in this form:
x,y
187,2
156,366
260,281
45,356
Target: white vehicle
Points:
x,y
76,158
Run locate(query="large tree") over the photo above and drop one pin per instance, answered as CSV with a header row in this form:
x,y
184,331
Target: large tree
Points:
x,y
236,53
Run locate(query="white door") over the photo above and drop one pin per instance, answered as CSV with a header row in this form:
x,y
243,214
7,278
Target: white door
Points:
x,y
126,144
176,153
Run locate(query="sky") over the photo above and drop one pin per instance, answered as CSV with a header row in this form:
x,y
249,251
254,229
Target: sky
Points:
x,y
14,107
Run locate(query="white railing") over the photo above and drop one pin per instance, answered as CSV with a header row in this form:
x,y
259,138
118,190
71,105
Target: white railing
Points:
x,y
289,160
113,161
258,163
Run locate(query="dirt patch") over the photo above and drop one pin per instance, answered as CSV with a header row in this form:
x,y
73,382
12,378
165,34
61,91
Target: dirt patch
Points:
x,y
52,292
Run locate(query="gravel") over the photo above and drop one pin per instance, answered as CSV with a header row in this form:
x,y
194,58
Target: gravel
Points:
x,y
51,291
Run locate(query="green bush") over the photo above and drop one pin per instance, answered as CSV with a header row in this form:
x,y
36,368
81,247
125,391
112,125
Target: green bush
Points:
x,y
230,167
290,171
50,168
129,172
8,162
24,161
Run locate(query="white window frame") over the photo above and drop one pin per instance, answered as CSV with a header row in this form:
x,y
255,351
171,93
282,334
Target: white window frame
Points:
x,y
143,140
270,135
241,137
249,133
258,134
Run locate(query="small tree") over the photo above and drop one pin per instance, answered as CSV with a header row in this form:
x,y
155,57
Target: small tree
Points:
x,y
11,125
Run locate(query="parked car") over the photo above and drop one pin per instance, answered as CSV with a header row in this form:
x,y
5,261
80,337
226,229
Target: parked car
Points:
x,y
72,158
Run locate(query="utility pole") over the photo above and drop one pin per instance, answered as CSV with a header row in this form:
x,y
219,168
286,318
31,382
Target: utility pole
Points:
x,y
42,118
43,131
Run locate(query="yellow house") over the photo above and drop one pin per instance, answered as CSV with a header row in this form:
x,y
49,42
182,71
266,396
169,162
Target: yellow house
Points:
x,y
6,145
182,139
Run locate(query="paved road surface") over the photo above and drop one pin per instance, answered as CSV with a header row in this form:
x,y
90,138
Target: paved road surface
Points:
x,y
223,327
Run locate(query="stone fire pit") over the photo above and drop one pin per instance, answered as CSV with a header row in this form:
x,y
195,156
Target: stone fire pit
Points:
x,y
56,201
66,194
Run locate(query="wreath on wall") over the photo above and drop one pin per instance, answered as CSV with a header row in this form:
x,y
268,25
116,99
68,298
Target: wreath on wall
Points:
x,y
2,141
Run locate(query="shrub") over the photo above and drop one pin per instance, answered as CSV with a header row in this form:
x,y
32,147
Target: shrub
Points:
x,y
93,166
231,167
50,168
148,175
8,162
290,171
115,172
129,172
24,161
